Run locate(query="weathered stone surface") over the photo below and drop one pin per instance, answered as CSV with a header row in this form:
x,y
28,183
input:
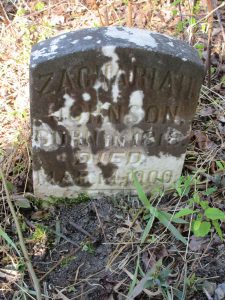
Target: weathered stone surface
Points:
x,y
109,101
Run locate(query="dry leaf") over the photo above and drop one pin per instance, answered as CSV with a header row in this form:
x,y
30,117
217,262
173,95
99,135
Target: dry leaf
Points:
x,y
140,287
111,297
128,223
21,201
137,228
213,167
148,260
216,31
121,230
40,214
203,140
140,20
198,243
221,117
10,274
206,111
221,128
55,20
91,4
151,256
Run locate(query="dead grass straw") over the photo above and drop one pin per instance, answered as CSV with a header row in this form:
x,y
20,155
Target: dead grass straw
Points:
x,y
21,241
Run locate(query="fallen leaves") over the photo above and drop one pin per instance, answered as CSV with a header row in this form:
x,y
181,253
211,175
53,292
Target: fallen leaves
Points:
x,y
152,255
212,289
221,128
198,244
206,111
21,201
203,141
140,287
221,117
40,215
10,274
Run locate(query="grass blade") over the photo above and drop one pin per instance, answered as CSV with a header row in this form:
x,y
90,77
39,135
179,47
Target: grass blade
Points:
x,y
218,229
171,228
147,229
5,236
171,218
141,193
135,280
141,285
184,212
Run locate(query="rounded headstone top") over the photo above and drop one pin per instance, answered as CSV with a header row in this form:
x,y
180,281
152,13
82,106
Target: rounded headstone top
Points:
x,y
121,37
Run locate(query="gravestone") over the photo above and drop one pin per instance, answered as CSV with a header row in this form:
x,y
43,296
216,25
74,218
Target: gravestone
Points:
x,y
107,102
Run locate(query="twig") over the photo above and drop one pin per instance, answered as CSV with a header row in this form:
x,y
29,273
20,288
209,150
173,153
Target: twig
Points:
x,y
77,272
106,14
222,29
64,237
61,295
209,43
220,23
82,293
4,15
5,18
99,220
185,261
129,18
118,250
152,11
28,170
45,290
79,228
21,241
181,18
191,29
100,16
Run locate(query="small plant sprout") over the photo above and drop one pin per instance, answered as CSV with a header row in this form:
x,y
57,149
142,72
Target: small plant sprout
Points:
x,y
200,48
154,213
219,163
39,234
157,277
67,260
88,247
39,6
183,185
204,217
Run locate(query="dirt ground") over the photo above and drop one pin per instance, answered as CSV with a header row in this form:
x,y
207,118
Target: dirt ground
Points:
x,y
95,248
86,272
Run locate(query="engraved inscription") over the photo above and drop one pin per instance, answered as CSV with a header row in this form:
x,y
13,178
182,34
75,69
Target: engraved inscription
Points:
x,y
45,83
144,177
158,80
44,137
